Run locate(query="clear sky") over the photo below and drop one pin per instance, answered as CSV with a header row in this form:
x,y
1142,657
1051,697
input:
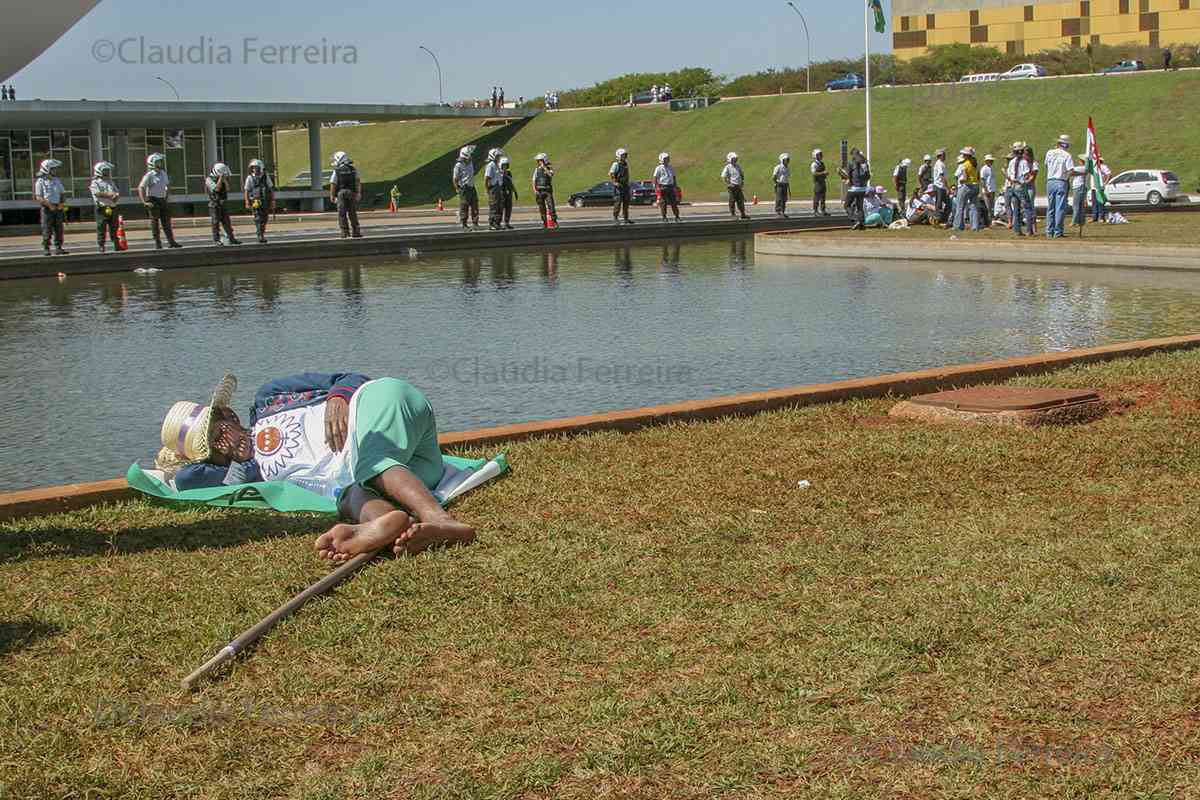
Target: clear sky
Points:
x,y
527,46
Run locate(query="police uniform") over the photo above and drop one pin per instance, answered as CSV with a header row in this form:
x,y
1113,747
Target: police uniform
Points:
x,y
858,174
782,178
924,177
468,197
734,176
820,175
543,187
900,178
510,194
619,172
154,183
261,192
345,189
50,189
494,181
664,177
218,213
106,210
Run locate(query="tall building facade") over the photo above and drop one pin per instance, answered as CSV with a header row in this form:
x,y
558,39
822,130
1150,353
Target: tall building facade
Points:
x,y
1027,26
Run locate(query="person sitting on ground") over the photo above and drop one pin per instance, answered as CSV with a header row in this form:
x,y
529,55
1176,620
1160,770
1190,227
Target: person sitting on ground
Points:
x,y
922,208
371,444
878,211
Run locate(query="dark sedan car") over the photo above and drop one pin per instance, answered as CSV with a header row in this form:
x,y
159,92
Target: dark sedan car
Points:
x,y
1123,66
642,194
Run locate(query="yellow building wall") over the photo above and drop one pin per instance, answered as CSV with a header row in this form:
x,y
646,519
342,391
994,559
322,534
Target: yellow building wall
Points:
x,y
1008,23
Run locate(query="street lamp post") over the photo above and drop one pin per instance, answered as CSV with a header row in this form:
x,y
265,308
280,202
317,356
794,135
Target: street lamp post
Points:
x,y
168,83
808,44
441,99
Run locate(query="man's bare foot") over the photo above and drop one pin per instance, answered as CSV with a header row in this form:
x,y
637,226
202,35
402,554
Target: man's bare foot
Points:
x,y
342,542
423,535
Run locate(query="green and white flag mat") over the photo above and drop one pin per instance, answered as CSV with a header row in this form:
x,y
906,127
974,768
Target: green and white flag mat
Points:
x,y
460,476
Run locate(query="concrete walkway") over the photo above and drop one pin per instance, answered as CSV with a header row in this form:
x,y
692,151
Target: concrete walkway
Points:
x,y
1064,253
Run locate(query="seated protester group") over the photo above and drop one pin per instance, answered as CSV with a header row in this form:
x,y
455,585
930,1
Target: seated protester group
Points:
x,y
371,444
877,210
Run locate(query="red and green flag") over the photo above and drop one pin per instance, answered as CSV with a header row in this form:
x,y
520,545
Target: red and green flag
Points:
x,y
1093,162
880,20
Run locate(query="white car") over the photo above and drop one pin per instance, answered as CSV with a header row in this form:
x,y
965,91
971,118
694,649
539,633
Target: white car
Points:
x,y
1153,186
1024,71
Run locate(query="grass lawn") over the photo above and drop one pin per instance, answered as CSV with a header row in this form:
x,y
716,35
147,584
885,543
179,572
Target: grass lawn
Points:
x,y
907,122
946,612
1154,229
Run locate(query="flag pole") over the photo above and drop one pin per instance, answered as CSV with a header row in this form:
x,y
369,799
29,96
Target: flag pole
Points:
x,y
867,9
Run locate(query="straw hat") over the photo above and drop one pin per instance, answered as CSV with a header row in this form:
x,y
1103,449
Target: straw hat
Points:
x,y
989,157
1064,139
185,431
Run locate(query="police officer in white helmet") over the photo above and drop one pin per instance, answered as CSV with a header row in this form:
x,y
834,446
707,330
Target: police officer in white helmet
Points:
x,y
782,178
493,179
463,178
51,195
259,196
820,178
543,190
735,178
345,189
619,174
104,197
217,185
154,192
667,185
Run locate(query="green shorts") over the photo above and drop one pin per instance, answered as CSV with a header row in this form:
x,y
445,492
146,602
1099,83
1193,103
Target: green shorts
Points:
x,y
394,427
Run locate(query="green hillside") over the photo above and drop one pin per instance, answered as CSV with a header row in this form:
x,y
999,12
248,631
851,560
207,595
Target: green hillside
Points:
x,y
1147,120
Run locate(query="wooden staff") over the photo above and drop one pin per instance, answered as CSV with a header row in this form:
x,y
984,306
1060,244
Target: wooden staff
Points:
x,y
480,476
252,635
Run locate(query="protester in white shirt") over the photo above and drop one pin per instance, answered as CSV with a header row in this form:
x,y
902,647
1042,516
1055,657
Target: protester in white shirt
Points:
x,y
1059,165
666,187
782,178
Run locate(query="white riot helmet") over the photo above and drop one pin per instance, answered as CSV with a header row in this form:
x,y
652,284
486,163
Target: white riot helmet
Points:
x,y
906,162
731,157
495,153
340,159
466,152
542,157
504,162
47,166
663,157
221,170
259,164
102,167
156,160
622,152
785,157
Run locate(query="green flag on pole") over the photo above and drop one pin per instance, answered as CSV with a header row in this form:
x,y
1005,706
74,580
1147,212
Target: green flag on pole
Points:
x,y
880,20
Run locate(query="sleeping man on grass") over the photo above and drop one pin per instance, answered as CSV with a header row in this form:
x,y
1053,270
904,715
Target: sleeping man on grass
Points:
x,y
371,444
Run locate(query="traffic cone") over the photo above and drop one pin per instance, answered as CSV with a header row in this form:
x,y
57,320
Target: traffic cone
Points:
x,y
392,206
122,242
440,205
754,200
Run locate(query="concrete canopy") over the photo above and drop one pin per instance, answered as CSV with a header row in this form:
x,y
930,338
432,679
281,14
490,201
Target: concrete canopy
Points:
x,y
191,114
30,28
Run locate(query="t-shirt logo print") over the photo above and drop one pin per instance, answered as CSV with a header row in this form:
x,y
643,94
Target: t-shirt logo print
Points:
x,y
277,444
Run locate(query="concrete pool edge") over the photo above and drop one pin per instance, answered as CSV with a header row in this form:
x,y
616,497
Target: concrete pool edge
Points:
x,y
1067,254
398,243
55,499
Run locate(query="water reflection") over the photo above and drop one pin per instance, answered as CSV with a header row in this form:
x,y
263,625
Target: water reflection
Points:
x,y
106,349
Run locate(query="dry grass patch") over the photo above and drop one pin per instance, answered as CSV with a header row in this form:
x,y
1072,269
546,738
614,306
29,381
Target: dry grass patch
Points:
x,y
947,612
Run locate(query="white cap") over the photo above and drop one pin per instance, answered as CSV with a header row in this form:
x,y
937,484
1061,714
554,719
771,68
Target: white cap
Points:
x,y
1064,139
927,157
989,157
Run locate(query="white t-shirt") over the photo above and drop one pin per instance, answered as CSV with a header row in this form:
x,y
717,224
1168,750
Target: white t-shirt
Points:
x,y
664,175
939,174
290,446
987,178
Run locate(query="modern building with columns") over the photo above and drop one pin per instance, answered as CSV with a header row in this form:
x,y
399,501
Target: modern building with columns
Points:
x,y
1017,27
192,135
